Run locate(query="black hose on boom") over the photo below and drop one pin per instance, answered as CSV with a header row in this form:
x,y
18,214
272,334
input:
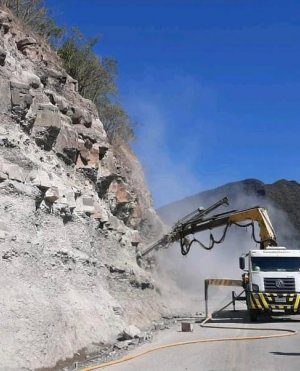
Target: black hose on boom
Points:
x,y
186,244
199,220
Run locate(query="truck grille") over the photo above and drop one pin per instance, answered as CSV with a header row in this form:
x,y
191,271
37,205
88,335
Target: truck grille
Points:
x,y
279,284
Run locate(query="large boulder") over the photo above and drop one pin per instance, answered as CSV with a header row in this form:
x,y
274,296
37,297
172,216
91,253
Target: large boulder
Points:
x,y
95,133
48,116
89,155
119,190
130,332
66,144
47,126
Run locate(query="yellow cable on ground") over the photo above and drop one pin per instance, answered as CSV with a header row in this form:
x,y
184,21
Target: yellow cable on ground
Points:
x,y
287,332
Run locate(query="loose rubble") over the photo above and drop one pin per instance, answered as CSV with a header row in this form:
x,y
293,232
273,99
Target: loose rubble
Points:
x,y
118,349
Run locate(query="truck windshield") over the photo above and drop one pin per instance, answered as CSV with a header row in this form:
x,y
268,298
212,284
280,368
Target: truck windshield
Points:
x,y
277,264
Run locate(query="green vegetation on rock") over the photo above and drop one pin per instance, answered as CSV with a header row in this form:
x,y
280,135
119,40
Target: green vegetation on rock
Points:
x,y
97,81
96,76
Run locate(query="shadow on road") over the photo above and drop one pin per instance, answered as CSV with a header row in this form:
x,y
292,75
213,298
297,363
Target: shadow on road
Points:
x,y
285,354
241,316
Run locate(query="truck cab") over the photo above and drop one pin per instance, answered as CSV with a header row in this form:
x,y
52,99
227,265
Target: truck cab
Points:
x,y
272,281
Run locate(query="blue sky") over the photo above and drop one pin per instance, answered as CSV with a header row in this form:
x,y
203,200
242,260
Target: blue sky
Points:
x,y
214,85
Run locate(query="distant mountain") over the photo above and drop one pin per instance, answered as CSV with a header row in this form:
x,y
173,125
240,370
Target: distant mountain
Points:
x,y
282,199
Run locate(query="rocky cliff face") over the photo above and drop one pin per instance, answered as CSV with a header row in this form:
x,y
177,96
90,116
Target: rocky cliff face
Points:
x,y
73,210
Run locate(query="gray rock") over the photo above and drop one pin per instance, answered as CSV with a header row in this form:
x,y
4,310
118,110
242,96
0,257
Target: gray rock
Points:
x,y
31,79
23,43
3,176
66,144
52,194
95,134
46,137
118,311
68,197
15,187
130,332
58,100
123,344
39,178
20,96
4,231
54,77
114,223
13,171
48,115
5,96
85,204
5,21
72,83
2,57
76,115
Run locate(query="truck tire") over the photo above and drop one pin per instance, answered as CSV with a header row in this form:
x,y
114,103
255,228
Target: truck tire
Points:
x,y
253,315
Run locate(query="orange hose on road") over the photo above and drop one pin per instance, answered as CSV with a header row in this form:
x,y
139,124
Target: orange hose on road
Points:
x,y
287,332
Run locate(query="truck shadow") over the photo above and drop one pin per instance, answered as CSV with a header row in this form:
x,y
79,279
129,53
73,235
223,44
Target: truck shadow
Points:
x,y
285,354
241,316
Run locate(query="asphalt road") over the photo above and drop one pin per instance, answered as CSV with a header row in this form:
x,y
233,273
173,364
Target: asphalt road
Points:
x,y
265,354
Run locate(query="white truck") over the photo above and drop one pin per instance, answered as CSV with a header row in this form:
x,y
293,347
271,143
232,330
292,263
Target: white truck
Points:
x,y
272,281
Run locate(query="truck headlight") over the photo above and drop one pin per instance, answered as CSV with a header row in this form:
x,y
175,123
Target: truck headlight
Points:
x,y
255,287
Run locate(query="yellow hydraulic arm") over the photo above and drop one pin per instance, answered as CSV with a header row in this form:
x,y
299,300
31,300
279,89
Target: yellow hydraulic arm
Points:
x,y
259,215
199,221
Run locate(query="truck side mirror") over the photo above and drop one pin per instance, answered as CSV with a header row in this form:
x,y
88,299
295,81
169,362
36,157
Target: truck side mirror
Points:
x,y
242,262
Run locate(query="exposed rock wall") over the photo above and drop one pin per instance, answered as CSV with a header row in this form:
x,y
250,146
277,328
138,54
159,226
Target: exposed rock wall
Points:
x,y
72,211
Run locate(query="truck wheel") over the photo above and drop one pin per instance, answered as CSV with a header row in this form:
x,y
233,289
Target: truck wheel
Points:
x,y
253,314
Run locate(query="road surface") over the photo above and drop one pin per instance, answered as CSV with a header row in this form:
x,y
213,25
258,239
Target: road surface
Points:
x,y
279,354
